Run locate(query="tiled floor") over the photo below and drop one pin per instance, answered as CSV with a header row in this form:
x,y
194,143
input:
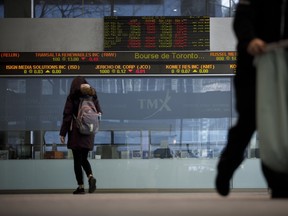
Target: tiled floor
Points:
x,y
143,204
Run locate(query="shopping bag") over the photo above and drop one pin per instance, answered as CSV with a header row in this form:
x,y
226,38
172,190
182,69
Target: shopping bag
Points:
x,y
272,108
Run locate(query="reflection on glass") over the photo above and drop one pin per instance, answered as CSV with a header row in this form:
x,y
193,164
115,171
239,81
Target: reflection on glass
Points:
x,y
99,9
188,115
1,8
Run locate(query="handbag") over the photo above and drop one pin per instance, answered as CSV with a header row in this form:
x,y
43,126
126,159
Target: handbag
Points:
x,y
272,108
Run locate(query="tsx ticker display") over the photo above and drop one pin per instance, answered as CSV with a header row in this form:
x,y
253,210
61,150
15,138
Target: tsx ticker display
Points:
x,y
117,63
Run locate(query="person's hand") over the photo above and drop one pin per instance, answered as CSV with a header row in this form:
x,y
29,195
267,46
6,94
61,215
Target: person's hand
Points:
x,y
256,47
62,139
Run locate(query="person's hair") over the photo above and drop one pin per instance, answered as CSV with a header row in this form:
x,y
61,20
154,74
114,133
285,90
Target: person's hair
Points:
x,y
75,85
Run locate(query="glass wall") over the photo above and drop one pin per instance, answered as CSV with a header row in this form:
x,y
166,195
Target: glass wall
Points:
x,y
99,9
154,117
144,117
1,8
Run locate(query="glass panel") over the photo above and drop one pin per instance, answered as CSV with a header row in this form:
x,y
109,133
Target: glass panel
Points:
x,y
1,8
18,146
71,8
98,9
101,8
188,115
52,142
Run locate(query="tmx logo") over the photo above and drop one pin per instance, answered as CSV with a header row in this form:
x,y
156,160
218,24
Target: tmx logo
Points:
x,y
157,105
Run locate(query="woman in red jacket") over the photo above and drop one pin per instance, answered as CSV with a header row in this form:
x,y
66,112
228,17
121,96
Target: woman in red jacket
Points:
x,y
78,143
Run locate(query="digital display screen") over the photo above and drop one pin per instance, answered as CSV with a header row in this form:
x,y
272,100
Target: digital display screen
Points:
x,y
146,33
116,63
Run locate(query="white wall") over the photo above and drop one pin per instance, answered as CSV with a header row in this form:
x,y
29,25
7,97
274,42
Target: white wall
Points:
x,y
222,37
51,35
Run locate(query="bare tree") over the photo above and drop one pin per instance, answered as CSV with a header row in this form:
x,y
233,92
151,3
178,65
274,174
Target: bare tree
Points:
x,y
71,8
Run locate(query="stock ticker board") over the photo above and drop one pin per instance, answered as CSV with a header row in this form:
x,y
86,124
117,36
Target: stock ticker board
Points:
x,y
122,33
117,63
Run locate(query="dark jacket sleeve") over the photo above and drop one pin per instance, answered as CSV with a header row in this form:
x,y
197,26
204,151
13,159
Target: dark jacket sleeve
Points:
x,y
97,104
67,117
243,24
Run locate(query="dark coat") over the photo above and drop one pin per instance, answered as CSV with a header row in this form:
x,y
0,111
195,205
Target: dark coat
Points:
x,y
75,139
255,19
252,21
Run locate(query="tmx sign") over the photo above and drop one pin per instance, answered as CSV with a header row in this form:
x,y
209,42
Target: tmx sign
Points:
x,y
166,105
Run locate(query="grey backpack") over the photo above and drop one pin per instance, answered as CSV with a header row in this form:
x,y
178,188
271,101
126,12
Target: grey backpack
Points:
x,y
87,119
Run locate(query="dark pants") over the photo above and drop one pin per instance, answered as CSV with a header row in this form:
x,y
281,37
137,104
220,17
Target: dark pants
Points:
x,y
80,157
277,182
240,134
